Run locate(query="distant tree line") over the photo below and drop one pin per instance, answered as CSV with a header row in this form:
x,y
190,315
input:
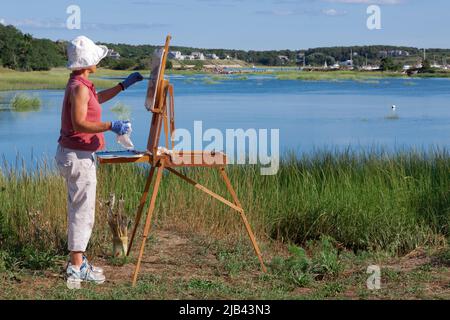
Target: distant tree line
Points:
x,y
20,51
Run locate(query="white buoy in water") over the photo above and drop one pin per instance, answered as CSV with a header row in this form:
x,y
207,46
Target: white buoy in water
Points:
x,y
394,107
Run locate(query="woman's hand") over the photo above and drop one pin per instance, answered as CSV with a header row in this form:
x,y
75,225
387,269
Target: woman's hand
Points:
x,y
132,79
120,127
108,94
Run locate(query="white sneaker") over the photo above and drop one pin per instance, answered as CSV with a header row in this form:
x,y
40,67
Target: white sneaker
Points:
x,y
92,267
75,276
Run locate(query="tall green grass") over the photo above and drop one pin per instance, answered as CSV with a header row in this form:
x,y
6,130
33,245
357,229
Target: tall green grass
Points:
x,y
364,201
24,103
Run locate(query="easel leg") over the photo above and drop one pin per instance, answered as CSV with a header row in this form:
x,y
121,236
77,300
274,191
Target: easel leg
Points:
x,y
244,218
141,207
148,221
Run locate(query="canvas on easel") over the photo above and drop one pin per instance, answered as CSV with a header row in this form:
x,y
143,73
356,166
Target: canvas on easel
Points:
x,y
160,159
154,79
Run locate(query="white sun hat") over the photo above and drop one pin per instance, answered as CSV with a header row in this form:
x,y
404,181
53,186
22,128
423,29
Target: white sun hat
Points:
x,y
83,53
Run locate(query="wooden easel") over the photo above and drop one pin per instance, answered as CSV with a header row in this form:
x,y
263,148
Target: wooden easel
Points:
x,y
161,161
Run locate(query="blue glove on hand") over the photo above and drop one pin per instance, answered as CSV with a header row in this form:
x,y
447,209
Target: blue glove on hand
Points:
x,y
132,79
120,127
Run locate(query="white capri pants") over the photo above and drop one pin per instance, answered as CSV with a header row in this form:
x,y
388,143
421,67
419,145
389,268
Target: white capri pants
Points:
x,y
79,170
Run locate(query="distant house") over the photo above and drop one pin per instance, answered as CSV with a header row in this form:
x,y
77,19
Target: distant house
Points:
x,y
393,53
284,59
113,54
407,67
198,56
335,66
300,57
370,68
346,64
436,66
176,55
212,56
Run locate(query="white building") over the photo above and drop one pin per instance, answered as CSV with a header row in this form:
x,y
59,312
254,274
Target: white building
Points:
x,y
113,54
347,64
198,55
407,67
335,66
283,59
212,56
436,66
370,68
176,55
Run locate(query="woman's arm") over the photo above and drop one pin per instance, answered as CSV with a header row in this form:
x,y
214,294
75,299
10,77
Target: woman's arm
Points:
x,y
108,94
79,101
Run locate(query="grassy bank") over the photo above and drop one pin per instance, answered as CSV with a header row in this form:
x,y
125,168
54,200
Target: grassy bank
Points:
x,y
363,201
351,75
57,78
42,80
320,221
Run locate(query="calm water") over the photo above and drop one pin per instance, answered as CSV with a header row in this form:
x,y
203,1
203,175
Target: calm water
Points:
x,y
309,114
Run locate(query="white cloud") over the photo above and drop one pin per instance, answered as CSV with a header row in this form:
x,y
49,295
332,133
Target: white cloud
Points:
x,y
277,12
59,24
3,22
333,12
38,24
308,12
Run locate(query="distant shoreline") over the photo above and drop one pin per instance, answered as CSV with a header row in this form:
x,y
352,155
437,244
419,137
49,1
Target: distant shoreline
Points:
x,y
56,79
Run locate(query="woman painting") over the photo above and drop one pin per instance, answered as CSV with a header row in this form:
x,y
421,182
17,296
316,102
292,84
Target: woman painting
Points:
x,y
81,136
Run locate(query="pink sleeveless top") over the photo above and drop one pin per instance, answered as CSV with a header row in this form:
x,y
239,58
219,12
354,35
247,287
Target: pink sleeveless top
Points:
x,y
69,138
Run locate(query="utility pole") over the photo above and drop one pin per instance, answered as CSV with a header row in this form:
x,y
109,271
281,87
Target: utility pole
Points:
x,y
424,54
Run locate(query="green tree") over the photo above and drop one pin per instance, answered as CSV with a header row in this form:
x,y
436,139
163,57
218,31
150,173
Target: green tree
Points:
x,y
169,64
426,67
123,64
198,65
388,64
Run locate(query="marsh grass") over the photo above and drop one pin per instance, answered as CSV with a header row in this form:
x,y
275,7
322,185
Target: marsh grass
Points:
x,y
57,77
42,80
335,75
364,201
210,81
392,116
350,75
25,103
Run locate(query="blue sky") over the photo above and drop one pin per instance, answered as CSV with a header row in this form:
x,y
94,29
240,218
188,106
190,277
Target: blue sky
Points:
x,y
238,24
